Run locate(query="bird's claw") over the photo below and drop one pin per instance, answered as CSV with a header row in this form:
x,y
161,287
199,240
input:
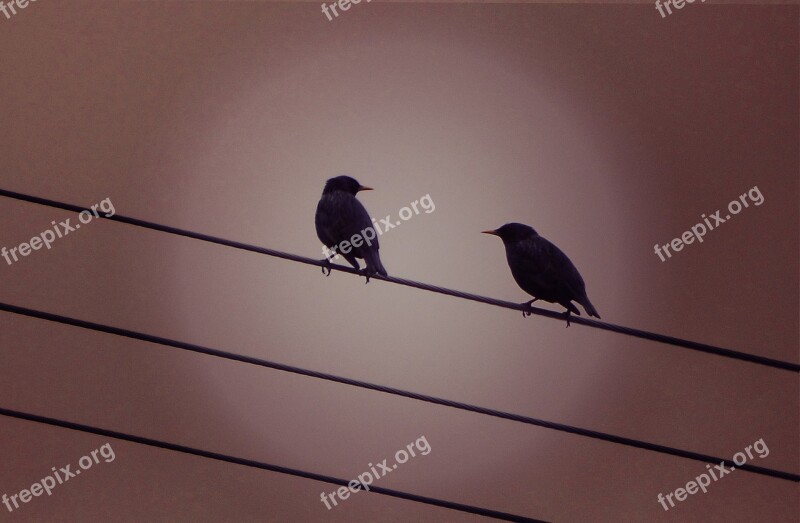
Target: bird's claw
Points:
x,y
528,304
366,276
326,265
566,315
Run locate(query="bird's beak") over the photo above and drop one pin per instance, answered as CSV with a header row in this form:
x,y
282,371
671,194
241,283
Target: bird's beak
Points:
x,y
364,188
493,233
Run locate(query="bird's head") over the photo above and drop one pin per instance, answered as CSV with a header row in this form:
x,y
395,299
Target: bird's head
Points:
x,y
345,184
513,232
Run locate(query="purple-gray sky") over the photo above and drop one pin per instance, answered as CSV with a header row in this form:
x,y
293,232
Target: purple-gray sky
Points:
x,y
605,127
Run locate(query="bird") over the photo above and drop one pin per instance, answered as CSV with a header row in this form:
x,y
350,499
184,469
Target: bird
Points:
x,y
344,225
542,270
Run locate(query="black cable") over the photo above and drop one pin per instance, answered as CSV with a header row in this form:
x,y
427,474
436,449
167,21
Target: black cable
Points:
x,y
266,466
628,331
391,390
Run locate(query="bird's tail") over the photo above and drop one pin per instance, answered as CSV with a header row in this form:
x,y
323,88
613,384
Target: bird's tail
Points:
x,y
373,262
590,310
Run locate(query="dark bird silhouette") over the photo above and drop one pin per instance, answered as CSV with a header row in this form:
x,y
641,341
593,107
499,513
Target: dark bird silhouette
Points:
x,y
542,270
342,218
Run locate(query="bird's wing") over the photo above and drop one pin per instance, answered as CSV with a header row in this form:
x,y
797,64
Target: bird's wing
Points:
x,y
340,217
551,268
362,220
565,271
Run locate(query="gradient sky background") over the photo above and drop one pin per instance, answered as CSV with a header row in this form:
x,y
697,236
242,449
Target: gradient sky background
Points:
x,y
605,127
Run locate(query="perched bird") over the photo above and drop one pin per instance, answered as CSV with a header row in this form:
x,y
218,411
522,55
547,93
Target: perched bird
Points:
x,y
542,270
344,225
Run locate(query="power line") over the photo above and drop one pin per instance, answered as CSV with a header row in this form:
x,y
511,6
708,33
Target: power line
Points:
x,y
630,442
628,331
702,347
265,466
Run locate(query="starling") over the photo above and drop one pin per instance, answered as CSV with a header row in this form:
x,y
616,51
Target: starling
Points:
x,y
542,270
344,225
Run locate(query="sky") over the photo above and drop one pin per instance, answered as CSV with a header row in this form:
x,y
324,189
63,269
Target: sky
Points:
x,y
606,127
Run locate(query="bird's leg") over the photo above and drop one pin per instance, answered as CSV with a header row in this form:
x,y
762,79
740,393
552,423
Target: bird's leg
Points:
x,y
566,315
528,304
326,265
367,274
